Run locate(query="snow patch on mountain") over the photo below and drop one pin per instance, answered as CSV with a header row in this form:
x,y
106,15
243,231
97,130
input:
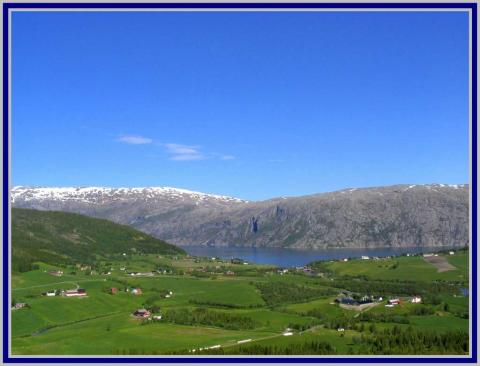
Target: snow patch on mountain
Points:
x,y
93,194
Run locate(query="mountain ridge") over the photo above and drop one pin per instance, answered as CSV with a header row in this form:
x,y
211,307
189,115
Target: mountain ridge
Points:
x,y
391,216
75,192
15,190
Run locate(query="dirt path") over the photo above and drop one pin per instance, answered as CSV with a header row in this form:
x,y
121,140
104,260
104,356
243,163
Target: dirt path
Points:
x,y
359,307
440,263
273,336
252,341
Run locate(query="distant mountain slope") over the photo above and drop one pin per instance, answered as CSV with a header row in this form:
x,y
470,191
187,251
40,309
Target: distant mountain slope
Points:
x,y
394,216
60,237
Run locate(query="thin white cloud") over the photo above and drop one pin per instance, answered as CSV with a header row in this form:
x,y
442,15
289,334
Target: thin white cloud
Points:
x,y
227,157
181,149
180,152
134,140
176,152
188,157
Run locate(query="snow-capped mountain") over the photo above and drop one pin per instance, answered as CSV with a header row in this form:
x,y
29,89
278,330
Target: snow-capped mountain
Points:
x,y
96,194
393,216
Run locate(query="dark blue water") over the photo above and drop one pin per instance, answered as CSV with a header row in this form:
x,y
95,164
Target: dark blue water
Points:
x,y
294,257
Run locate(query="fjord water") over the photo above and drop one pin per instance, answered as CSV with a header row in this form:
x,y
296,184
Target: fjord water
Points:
x,y
298,257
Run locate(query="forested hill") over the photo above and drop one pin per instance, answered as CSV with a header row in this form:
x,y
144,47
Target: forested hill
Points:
x,y
60,237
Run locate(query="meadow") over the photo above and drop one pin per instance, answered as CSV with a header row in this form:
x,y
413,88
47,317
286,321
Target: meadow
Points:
x,y
402,268
269,310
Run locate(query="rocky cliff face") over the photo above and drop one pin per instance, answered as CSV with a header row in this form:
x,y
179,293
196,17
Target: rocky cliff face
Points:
x,y
395,216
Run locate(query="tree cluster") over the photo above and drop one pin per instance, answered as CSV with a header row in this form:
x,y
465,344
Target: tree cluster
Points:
x,y
409,341
202,316
276,293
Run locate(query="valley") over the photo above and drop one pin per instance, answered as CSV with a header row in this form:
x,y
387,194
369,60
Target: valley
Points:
x,y
205,305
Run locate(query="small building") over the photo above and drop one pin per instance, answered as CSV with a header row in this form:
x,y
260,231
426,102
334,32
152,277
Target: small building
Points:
x,y
56,273
345,259
141,313
286,334
394,301
426,255
230,273
19,305
50,293
365,257
137,291
157,317
75,293
451,252
341,330
416,300
114,290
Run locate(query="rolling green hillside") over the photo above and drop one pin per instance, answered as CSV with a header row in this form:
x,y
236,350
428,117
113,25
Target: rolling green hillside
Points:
x,y
61,238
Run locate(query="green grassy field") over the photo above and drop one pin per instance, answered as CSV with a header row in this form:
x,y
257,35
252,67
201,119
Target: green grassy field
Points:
x,y
117,333
60,325
403,268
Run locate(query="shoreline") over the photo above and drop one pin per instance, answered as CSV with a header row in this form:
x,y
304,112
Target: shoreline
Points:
x,y
289,257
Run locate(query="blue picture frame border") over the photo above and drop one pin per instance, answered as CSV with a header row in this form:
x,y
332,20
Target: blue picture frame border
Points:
x,y
354,6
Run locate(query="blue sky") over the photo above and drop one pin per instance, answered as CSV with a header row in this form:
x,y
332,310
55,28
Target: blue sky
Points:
x,y
253,105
